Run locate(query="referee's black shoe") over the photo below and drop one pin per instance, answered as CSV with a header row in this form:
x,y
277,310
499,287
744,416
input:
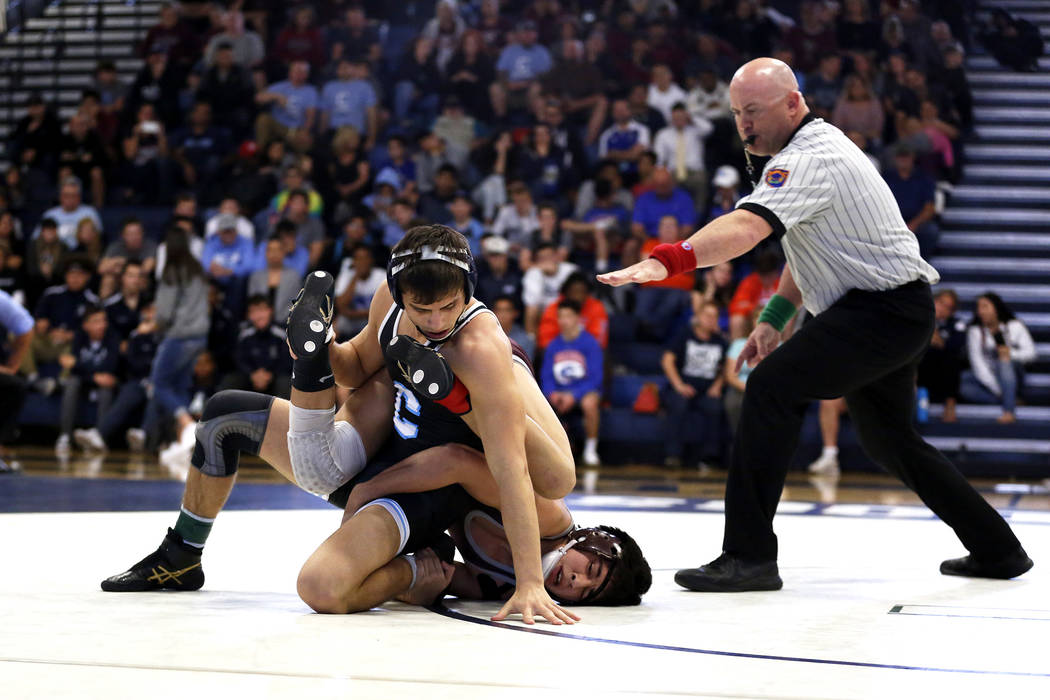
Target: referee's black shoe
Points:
x,y
1013,564
174,565
729,574
310,316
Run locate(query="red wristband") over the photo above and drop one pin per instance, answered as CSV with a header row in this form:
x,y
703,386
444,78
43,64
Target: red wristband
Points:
x,y
676,257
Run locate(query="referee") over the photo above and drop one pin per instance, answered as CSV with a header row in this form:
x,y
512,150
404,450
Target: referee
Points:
x,y
856,267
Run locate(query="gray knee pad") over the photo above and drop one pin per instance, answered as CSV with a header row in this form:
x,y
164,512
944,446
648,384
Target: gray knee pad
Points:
x,y
325,456
232,422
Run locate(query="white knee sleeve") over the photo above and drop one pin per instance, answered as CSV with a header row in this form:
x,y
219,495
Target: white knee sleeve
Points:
x,y
324,454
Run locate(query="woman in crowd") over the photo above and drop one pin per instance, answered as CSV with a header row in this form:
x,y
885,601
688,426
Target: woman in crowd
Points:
x,y
999,345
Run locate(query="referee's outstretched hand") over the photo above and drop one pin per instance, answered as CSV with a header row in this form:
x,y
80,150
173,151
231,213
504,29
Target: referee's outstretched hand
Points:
x,y
762,341
649,270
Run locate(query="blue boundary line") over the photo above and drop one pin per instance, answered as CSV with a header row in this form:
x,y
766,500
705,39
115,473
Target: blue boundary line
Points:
x,y
456,615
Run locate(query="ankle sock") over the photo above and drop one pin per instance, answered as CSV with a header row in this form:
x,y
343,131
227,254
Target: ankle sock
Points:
x,y
192,528
313,373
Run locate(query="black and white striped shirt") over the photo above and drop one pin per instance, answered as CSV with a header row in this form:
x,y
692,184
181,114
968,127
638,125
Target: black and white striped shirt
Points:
x,y
838,222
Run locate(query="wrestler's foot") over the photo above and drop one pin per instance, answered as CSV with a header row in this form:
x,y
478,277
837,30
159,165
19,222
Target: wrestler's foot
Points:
x,y
424,368
310,316
174,565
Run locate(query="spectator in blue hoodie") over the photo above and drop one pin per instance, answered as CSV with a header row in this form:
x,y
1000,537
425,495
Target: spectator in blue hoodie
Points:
x,y
92,366
228,258
261,355
572,375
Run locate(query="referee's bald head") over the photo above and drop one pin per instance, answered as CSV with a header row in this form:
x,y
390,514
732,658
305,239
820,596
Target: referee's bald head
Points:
x,y
766,103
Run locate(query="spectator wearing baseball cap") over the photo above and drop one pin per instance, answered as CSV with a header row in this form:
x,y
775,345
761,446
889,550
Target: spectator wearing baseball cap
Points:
x,y
521,65
498,274
227,259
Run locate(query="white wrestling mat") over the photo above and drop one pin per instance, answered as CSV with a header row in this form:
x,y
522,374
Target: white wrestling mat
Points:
x,y
864,614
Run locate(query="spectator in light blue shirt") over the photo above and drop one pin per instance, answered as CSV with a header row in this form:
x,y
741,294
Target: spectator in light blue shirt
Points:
x,y
350,101
228,259
16,322
520,66
293,109
70,210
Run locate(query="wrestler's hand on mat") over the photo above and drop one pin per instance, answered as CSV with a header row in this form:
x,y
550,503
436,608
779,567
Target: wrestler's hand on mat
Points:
x,y
650,270
534,601
762,341
432,577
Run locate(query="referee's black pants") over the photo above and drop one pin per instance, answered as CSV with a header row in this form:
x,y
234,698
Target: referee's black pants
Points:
x,y
865,347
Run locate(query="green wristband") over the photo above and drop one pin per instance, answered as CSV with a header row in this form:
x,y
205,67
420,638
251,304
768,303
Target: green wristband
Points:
x,y
777,312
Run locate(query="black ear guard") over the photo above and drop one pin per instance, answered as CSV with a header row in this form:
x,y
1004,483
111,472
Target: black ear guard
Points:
x,y
460,257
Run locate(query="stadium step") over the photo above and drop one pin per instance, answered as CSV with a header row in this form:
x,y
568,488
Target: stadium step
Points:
x,y
1032,268
1011,97
971,243
988,174
1008,155
999,80
1013,115
1000,195
1013,134
988,63
1037,218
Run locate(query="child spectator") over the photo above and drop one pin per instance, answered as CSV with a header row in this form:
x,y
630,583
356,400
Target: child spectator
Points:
x,y
692,364
941,366
356,284
572,375
541,284
261,357
124,307
592,312
127,407
92,367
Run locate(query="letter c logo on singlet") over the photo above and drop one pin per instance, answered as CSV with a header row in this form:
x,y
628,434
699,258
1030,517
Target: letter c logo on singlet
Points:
x,y
405,401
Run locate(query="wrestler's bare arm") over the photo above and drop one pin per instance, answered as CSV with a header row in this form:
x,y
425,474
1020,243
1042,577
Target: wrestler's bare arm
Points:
x,y
444,465
354,361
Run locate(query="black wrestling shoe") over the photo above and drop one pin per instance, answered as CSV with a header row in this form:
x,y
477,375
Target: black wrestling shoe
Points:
x,y
728,574
310,316
1013,564
174,565
424,368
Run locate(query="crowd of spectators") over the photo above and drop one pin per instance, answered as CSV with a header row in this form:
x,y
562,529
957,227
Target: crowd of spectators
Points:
x,y
563,138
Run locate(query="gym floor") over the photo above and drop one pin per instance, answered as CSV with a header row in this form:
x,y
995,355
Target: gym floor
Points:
x,y
864,612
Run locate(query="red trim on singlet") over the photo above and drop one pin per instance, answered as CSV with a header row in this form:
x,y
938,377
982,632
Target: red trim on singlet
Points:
x,y
458,400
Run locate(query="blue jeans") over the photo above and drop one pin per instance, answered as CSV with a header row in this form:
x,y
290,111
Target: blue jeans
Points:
x,y
928,235
172,374
130,400
1008,373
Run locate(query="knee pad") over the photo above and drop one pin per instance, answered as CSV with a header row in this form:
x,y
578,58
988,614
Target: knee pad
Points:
x,y
326,455
232,422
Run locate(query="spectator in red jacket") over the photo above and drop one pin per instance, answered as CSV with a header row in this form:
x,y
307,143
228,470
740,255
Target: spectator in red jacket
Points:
x,y
754,290
593,315
300,40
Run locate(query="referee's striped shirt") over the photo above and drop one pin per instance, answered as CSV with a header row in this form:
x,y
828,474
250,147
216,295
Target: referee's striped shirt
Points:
x,y
837,220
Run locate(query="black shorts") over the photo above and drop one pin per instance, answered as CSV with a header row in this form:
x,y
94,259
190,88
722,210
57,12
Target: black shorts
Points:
x,y
421,517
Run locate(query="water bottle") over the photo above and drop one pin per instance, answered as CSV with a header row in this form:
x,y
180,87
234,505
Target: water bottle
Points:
x,y
922,408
